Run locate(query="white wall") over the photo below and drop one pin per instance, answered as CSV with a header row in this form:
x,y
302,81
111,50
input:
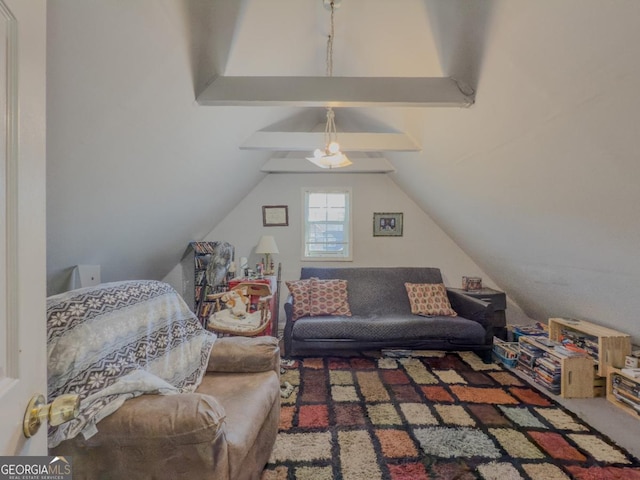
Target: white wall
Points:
x,y
536,182
423,243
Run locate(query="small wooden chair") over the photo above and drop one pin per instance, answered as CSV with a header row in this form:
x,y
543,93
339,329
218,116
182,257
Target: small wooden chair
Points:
x,y
255,322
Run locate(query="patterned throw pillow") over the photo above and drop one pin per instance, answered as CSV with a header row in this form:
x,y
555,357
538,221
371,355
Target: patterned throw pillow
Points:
x,y
301,305
329,297
429,299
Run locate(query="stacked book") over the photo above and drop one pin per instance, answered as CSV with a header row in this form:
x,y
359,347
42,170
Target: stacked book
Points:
x,y
547,372
527,358
626,391
580,342
539,329
506,352
631,372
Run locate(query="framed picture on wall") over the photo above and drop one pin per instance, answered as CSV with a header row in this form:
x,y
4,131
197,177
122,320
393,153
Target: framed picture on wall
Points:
x,y
387,224
275,216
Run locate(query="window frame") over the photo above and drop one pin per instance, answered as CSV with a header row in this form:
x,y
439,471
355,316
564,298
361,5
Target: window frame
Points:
x,y
348,224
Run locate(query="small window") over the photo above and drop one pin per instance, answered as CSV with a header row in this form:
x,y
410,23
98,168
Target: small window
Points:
x,y
327,224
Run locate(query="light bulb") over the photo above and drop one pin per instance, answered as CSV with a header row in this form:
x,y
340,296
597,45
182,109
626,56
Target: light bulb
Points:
x,y
317,153
334,147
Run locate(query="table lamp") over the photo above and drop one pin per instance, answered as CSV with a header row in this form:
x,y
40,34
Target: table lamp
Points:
x,y
267,245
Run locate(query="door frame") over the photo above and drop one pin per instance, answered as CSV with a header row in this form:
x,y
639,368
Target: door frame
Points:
x,y
23,188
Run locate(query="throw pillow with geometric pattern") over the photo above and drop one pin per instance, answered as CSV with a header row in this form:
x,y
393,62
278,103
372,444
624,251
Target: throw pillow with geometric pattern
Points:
x,y
301,304
429,299
329,297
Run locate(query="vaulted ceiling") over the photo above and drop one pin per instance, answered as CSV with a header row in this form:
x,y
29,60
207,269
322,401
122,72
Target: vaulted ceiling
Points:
x,y
537,181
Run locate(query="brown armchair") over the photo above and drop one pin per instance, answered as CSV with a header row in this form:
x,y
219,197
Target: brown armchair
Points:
x,y
161,398
224,430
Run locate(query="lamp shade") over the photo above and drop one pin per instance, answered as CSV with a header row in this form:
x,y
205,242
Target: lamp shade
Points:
x,y
267,244
331,160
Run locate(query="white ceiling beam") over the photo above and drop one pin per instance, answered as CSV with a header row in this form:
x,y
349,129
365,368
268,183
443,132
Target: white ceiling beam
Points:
x,y
302,165
336,92
349,142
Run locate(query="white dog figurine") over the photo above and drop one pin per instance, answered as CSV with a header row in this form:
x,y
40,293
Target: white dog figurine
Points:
x,y
237,302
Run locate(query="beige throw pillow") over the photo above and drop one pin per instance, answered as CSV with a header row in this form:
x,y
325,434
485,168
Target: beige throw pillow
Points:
x,y
429,299
301,303
329,297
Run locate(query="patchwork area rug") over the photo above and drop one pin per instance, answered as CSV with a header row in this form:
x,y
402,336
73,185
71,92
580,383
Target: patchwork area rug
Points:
x,y
434,416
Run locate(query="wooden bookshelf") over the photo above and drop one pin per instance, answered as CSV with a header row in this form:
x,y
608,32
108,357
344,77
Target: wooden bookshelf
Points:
x,y
196,289
612,371
577,372
612,346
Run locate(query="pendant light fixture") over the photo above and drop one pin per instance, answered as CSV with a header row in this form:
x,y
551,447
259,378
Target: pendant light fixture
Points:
x,y
330,156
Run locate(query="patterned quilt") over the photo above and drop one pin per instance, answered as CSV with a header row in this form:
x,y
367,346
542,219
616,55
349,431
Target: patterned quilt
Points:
x,y
117,341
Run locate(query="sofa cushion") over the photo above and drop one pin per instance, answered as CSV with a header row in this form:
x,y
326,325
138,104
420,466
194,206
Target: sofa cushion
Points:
x,y
390,329
329,297
301,304
245,354
429,299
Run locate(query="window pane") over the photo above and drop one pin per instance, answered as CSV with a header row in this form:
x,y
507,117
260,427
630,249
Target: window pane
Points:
x,y
336,214
336,200
335,229
317,214
316,232
317,200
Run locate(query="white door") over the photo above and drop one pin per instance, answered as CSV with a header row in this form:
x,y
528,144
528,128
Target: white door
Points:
x,y
22,220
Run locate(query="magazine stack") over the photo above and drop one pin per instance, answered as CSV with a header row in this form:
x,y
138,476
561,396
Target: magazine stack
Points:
x,y
548,372
580,342
626,391
527,358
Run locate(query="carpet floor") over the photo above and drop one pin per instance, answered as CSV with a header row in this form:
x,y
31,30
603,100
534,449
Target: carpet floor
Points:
x,y
435,416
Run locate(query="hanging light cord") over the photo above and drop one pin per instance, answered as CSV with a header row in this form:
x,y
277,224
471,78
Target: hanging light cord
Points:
x,y
330,45
330,128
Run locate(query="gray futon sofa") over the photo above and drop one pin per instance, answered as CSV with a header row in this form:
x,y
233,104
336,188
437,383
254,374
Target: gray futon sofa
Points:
x,y
382,318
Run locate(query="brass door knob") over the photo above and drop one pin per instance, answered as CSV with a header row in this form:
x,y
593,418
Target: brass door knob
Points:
x,y
61,410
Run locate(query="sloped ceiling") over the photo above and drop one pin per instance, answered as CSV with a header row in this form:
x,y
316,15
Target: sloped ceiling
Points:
x,y
537,182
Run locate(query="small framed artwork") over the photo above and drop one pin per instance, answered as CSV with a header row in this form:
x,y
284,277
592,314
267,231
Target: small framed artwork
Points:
x,y
275,216
387,224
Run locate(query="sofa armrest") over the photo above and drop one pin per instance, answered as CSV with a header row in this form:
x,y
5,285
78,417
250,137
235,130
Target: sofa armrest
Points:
x,y
473,309
245,354
177,419
288,308
288,326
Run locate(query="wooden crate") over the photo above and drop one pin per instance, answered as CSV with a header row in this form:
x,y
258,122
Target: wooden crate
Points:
x,y
612,398
576,380
613,346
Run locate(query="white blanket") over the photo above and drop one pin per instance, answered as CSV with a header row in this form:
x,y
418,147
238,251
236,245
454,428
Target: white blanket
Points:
x,y
118,341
